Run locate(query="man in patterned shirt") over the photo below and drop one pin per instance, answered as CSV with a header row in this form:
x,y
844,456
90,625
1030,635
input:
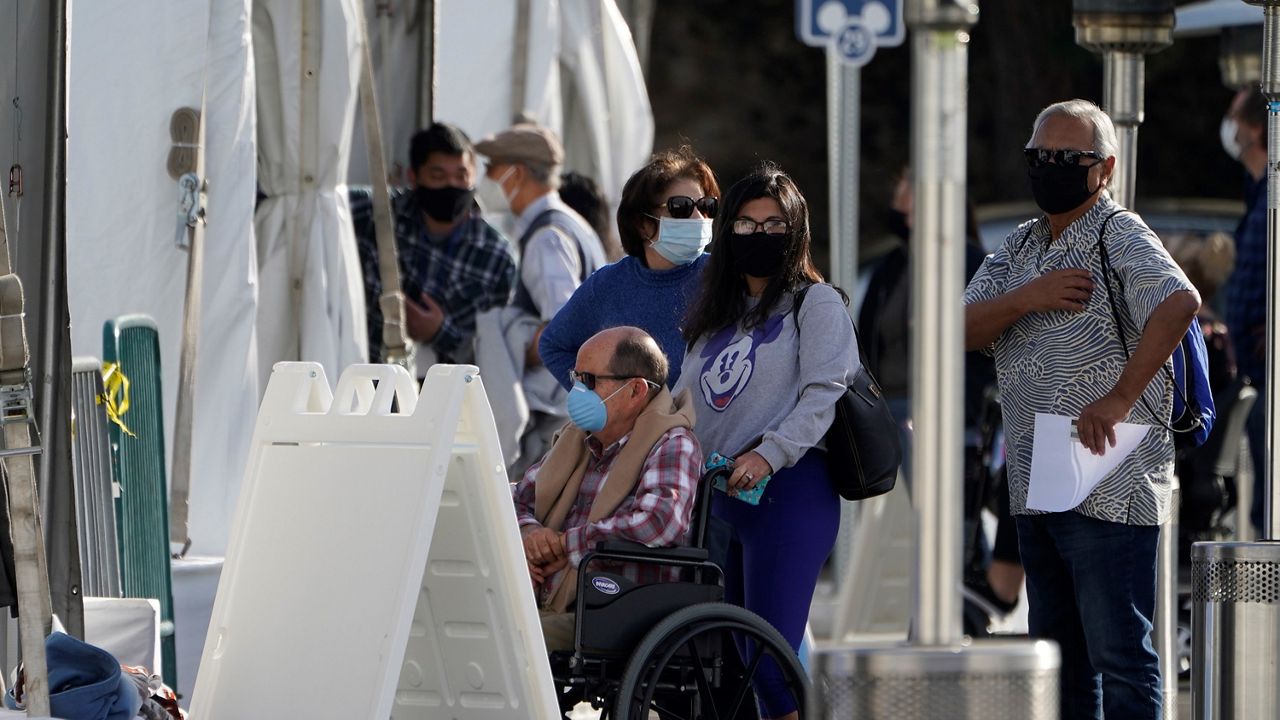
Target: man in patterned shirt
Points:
x,y
626,468
1040,305
453,264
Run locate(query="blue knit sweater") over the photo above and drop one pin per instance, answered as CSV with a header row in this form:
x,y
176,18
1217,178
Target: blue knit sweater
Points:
x,y
624,293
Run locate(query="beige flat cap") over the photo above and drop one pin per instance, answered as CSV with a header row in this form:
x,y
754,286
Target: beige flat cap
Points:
x,y
523,143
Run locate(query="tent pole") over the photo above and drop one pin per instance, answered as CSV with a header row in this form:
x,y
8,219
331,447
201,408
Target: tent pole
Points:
x,y
429,34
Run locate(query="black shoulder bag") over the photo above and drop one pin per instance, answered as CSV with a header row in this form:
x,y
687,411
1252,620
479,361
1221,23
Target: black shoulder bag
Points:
x,y
863,450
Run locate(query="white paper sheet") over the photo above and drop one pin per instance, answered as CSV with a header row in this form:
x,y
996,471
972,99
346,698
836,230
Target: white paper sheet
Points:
x,y
1063,470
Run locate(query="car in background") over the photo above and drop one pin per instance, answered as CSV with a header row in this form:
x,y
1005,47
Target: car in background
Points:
x,y
1199,216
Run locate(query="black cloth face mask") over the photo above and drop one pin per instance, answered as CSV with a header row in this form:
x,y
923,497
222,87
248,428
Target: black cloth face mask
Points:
x,y
758,254
444,204
1060,188
897,222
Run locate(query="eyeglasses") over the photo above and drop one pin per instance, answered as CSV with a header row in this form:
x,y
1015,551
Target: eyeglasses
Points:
x,y
589,379
772,226
1039,157
681,206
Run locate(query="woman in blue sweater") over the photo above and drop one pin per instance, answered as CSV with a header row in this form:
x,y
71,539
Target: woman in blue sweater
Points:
x,y
664,223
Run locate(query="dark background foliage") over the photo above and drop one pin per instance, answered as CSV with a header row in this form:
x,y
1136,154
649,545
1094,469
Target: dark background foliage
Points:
x,y
731,78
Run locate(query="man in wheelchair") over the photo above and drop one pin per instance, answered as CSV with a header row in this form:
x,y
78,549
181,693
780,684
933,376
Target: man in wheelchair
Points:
x,y
626,468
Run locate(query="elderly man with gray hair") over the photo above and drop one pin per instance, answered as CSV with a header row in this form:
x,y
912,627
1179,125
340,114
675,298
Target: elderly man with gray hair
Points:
x,y
1064,345
558,250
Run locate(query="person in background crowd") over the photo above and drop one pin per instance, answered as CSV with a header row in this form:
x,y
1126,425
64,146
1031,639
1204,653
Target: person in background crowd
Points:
x,y
453,264
765,380
1205,496
584,195
1039,304
1207,262
1244,137
664,221
558,251
885,322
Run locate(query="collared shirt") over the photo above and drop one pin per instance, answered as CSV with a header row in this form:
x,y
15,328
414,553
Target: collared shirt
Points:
x,y
658,513
551,268
1247,288
466,271
1059,361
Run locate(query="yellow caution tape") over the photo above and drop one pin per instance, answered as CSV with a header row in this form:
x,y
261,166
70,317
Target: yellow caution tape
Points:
x,y
115,395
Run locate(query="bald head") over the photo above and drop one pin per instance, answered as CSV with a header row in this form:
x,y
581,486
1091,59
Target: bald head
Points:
x,y
631,352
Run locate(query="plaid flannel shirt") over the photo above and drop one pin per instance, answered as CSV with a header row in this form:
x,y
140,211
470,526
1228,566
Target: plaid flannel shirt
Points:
x,y
658,513
471,270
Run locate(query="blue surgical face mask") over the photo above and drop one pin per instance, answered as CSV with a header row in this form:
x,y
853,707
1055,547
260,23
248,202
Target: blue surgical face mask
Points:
x,y
682,240
587,410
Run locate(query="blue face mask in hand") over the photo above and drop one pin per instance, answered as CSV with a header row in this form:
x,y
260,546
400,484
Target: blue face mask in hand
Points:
x,y
682,240
586,409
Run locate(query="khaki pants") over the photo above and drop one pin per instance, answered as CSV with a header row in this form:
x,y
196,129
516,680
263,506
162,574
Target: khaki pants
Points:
x,y
557,630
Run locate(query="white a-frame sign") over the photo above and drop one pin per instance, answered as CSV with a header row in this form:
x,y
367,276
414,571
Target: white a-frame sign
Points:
x,y
374,568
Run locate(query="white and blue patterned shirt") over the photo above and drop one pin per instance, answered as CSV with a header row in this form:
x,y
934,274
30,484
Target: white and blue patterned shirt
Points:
x,y
1058,362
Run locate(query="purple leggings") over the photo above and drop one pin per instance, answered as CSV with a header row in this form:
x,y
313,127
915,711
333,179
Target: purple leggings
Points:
x,y
776,552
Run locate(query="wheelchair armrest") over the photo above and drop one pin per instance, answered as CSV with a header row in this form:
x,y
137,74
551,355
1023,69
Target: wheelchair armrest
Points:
x,y
627,547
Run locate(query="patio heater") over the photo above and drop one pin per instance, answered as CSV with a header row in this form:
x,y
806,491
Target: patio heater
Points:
x,y
1123,32
1239,56
937,673
1235,622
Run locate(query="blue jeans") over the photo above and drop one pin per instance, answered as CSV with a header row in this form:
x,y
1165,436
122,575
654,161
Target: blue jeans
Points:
x,y
1091,587
774,558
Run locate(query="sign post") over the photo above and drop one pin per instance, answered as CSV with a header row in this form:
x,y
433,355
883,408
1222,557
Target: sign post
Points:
x,y
850,31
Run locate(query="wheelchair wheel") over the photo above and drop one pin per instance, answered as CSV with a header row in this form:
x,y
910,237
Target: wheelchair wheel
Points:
x,y
687,666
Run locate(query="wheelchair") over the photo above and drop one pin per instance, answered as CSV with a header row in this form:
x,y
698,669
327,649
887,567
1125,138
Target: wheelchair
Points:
x,y
669,648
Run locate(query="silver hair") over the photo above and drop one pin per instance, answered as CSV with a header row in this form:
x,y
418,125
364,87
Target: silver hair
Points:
x,y
1105,142
544,174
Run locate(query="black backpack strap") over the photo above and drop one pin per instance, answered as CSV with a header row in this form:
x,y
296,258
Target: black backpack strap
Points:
x,y
1026,236
1115,315
798,300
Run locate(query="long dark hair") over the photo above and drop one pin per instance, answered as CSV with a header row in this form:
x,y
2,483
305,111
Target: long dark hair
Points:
x,y
722,300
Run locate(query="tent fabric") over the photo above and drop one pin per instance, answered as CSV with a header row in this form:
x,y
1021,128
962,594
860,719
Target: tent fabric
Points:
x,y
122,214
311,297
584,81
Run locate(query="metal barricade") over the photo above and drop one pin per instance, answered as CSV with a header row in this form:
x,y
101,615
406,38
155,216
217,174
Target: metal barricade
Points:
x,y
142,510
1235,628
95,484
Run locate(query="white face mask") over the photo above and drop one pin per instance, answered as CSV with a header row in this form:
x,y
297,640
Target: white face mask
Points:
x,y
498,183
1228,131
682,240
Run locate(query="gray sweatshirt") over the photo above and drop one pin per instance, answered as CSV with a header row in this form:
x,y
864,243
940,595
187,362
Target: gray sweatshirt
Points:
x,y
771,385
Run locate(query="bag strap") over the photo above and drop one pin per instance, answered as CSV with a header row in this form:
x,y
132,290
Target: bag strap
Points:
x,y
798,300
1124,342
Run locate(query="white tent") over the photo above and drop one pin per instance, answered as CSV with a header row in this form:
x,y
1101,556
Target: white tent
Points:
x,y
582,79
311,301
122,205
295,291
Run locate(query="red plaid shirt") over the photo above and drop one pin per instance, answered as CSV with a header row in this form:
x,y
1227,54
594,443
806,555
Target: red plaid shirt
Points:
x,y
657,514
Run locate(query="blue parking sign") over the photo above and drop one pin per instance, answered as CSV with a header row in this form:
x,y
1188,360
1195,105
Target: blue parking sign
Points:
x,y
854,27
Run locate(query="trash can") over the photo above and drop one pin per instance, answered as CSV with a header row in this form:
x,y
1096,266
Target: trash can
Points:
x,y
986,680
1235,630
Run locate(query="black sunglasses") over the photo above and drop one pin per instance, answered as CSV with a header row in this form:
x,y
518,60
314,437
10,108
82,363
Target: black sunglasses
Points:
x,y
681,206
589,379
1038,157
